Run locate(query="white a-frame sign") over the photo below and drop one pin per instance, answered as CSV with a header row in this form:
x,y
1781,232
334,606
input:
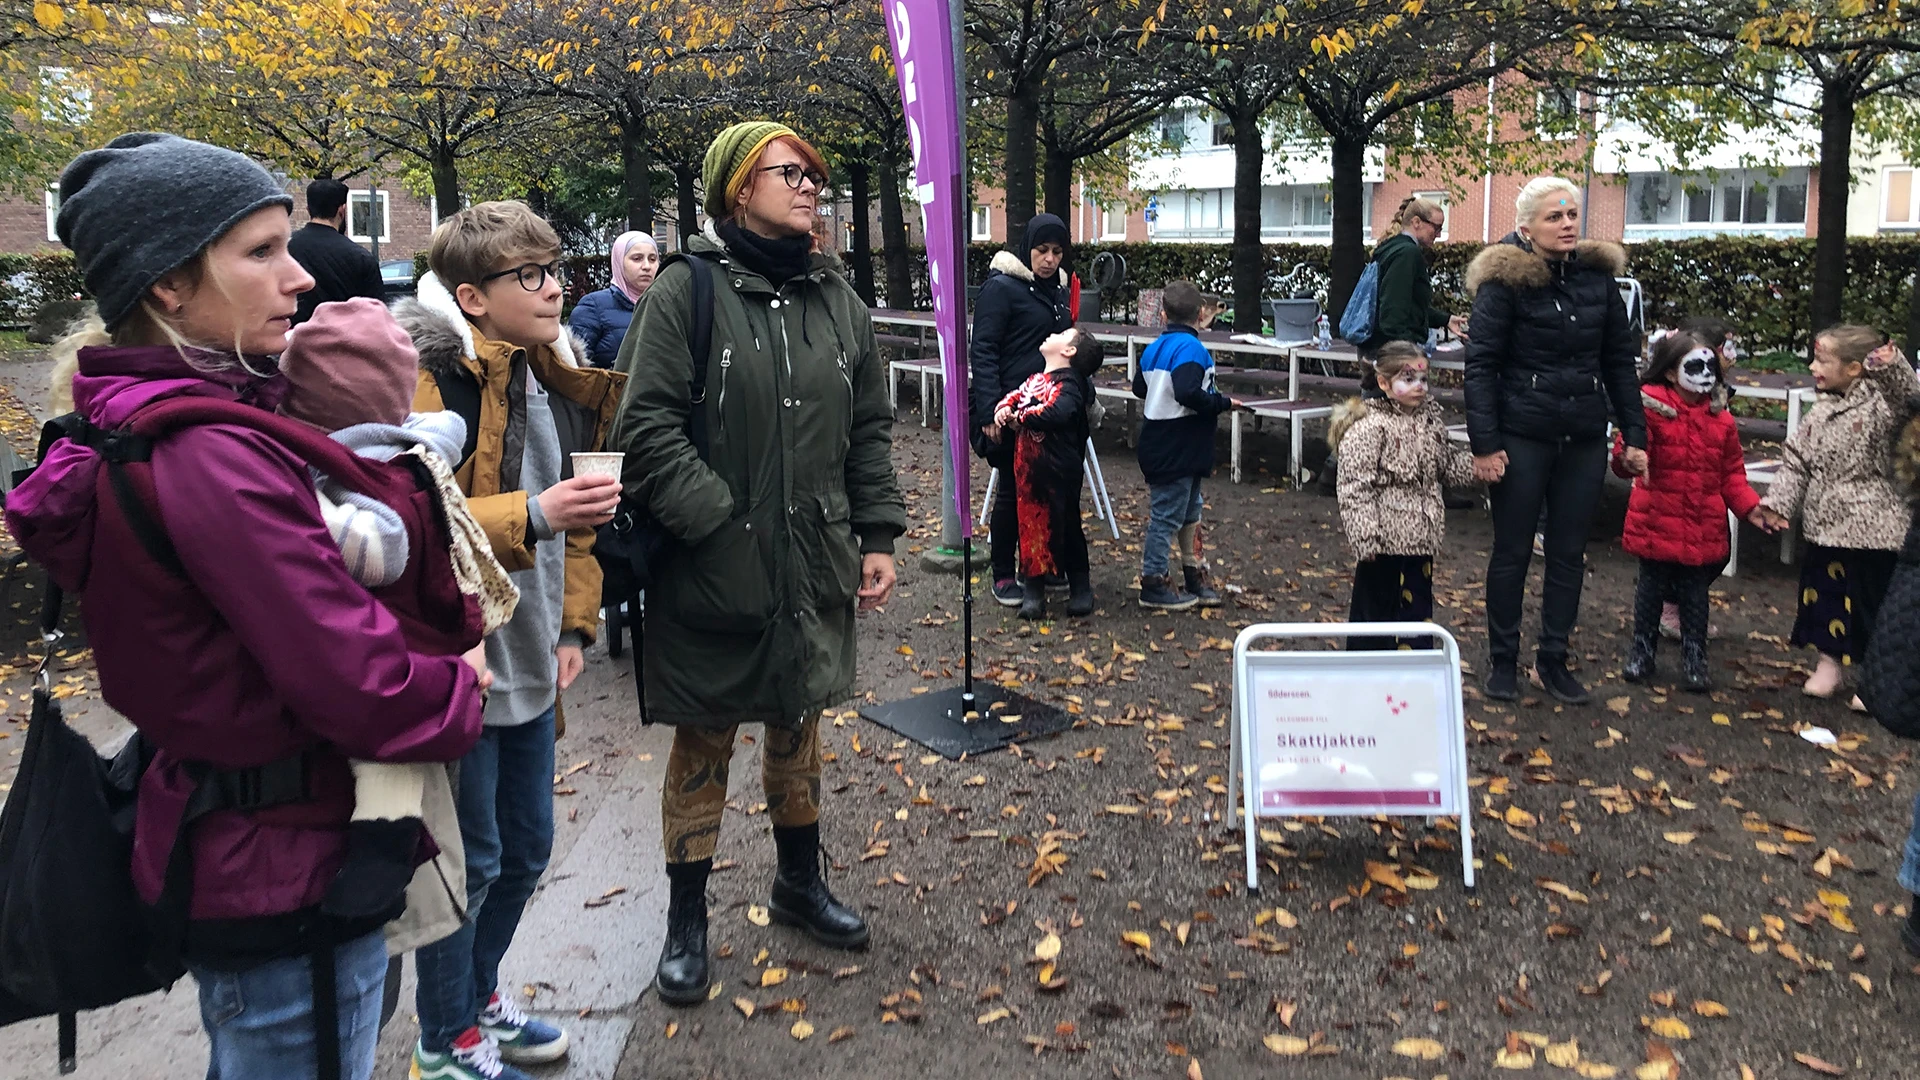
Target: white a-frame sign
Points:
x,y
1348,733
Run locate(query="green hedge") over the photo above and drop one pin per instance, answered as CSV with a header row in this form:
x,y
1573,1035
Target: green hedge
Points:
x,y
1762,286
28,281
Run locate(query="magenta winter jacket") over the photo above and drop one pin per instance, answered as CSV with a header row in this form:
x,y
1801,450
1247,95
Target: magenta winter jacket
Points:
x,y
271,648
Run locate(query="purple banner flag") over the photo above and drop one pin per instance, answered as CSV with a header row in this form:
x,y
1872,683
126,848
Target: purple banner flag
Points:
x,y
924,53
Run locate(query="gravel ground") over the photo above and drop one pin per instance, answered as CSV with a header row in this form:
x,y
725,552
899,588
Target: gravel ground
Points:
x,y
1664,876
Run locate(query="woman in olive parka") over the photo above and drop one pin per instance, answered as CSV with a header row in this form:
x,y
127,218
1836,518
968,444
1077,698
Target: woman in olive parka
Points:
x,y
783,531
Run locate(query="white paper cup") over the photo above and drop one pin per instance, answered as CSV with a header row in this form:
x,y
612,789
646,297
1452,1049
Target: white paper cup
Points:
x,y
598,464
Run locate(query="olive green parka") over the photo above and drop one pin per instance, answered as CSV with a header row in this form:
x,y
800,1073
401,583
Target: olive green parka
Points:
x,y
750,619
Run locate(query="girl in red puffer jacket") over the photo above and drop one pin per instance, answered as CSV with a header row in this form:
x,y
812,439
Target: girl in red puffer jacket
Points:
x,y
1677,516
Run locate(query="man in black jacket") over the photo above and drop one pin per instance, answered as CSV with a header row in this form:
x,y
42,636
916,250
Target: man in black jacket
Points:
x,y
1022,303
341,269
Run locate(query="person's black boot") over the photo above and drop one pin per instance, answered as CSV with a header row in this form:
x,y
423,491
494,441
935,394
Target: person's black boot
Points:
x,y
1640,658
800,896
1080,602
1503,681
1158,592
1693,667
682,976
1559,682
1033,600
1199,588
1910,930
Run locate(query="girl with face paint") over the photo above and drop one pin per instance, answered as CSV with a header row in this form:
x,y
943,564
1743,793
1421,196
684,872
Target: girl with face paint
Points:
x,y
1836,480
1677,515
1394,457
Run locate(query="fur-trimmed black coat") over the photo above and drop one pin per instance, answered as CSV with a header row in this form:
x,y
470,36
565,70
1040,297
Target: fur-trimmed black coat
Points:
x,y
1550,347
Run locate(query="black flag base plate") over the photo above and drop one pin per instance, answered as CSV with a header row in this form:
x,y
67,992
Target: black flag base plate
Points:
x,y
938,720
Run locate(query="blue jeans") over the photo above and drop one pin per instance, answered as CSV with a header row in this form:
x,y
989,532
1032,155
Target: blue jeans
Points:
x,y
260,1021
1910,864
1174,507
505,802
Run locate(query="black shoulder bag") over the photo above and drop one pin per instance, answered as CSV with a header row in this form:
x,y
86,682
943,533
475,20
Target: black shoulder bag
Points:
x,y
631,547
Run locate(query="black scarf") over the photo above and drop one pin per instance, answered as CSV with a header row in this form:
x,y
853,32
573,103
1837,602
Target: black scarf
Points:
x,y
779,261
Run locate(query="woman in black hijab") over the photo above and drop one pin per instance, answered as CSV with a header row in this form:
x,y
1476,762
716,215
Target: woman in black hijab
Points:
x,y
1023,302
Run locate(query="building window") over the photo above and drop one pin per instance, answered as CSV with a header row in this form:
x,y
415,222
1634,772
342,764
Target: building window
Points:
x,y
1222,130
1898,207
360,221
1752,202
1113,223
64,99
53,214
1556,113
1433,122
1173,128
982,222
1197,215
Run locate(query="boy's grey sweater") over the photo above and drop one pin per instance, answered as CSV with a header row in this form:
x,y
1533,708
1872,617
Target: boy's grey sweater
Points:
x,y
521,654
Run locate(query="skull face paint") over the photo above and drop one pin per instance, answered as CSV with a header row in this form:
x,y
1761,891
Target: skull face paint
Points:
x,y
1696,371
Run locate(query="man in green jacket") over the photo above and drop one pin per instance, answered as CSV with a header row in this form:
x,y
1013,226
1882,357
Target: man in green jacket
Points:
x,y
784,529
1406,311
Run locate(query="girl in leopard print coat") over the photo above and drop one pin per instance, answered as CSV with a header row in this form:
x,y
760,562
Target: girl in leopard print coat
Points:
x,y
1836,479
1394,458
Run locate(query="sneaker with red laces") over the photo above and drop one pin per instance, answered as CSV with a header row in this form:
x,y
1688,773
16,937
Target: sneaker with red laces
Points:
x,y
472,1056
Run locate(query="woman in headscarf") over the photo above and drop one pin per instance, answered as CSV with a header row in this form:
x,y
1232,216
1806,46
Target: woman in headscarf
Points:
x,y
600,319
1024,301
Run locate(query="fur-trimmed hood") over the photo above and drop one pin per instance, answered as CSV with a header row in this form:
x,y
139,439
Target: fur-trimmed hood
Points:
x,y
1513,263
440,330
1010,264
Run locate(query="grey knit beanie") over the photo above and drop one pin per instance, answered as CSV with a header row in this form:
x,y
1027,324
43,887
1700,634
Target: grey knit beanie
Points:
x,y
147,203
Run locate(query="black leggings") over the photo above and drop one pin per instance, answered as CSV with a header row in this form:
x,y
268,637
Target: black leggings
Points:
x,y
1392,588
1686,585
1565,477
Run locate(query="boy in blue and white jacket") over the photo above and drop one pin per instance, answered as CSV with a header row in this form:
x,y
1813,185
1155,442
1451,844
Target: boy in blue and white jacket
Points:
x,y
1176,450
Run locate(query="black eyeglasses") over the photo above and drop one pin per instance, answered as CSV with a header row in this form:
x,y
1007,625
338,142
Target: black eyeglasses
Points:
x,y
533,275
793,174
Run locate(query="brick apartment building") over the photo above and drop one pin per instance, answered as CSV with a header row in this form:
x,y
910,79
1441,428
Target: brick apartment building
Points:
x,y
402,221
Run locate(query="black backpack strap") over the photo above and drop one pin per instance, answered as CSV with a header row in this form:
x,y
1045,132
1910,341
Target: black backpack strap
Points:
x,y
700,348
277,783
326,1014
116,449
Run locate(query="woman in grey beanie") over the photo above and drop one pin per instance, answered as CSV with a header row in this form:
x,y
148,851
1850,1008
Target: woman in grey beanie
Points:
x,y
225,625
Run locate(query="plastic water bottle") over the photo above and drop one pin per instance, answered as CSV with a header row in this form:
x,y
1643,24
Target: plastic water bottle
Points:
x,y
1324,336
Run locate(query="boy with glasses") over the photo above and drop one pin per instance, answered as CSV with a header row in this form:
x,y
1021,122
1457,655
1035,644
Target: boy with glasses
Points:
x,y
487,324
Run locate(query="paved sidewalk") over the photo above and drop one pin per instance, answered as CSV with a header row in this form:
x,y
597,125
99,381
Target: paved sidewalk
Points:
x,y
588,965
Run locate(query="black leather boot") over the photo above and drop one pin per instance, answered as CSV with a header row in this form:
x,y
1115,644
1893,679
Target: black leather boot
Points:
x,y
1080,602
800,896
1640,658
682,976
1910,930
1693,666
1199,587
1033,603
